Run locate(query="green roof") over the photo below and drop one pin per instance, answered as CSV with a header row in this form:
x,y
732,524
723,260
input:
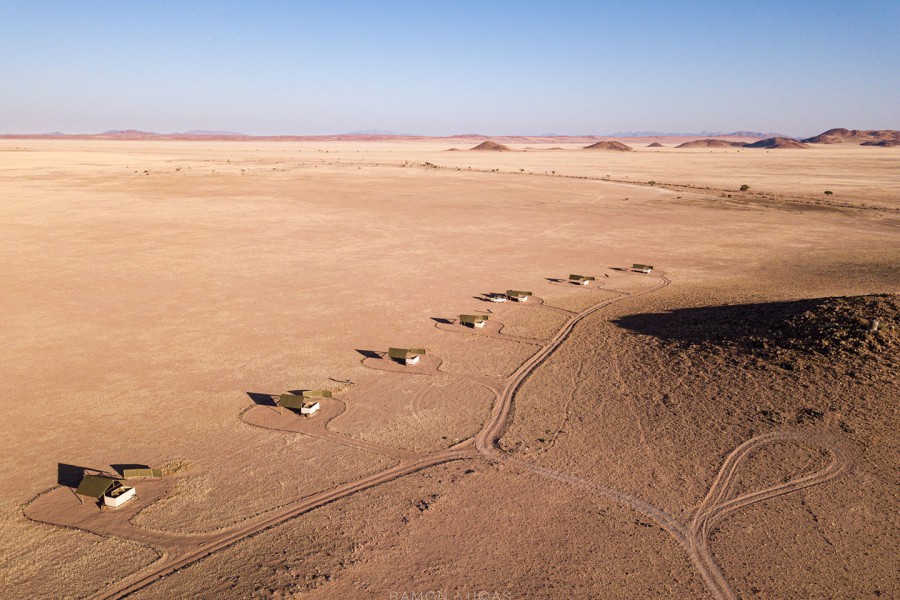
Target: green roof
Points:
x,y
302,399
637,266
291,401
142,472
582,277
517,293
95,486
403,353
472,318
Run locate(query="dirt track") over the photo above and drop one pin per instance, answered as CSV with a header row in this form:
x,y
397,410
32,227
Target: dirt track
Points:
x,y
177,555
251,339
178,551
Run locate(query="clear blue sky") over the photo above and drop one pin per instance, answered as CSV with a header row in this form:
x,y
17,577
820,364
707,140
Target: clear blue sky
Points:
x,y
446,67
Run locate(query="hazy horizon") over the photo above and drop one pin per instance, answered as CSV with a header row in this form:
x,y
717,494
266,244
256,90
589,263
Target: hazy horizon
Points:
x,y
376,133
467,68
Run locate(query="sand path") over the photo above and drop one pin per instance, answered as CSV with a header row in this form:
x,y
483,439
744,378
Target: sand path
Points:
x,y
179,551
692,535
271,417
175,554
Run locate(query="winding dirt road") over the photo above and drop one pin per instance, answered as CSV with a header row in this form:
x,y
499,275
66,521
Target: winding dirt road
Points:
x,y
693,535
178,552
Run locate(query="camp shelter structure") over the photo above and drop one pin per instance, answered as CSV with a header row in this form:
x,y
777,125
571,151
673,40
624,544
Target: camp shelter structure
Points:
x,y
406,356
581,279
475,321
142,472
110,490
497,297
518,295
306,402
641,268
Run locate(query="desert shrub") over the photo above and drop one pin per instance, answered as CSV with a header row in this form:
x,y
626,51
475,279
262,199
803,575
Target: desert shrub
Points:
x,y
828,192
745,187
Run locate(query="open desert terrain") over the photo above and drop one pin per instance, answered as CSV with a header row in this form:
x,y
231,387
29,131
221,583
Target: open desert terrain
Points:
x,y
722,427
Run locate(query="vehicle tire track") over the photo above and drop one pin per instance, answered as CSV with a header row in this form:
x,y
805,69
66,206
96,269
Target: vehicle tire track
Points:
x,y
694,534
484,441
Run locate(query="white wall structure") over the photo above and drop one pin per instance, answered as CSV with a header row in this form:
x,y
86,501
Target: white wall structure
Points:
x,y
121,498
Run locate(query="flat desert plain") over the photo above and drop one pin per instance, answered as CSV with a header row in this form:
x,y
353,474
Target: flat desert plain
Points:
x,y
722,427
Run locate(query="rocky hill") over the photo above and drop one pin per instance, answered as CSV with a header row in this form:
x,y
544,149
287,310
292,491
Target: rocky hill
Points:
x,y
777,142
491,146
610,145
856,136
710,143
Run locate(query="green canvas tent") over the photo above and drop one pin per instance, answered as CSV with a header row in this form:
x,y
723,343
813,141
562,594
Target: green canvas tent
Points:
x,y
581,278
642,268
291,401
95,486
304,402
472,319
518,294
405,353
142,472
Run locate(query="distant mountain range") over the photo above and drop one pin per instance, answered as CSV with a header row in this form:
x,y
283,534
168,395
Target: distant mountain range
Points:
x,y
212,133
871,137
754,134
199,132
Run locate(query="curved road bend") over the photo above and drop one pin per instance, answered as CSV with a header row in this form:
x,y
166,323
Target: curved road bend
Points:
x,y
485,441
693,536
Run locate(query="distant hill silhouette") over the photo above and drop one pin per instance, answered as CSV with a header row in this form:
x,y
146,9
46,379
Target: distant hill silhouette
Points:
x,y
209,132
777,142
493,146
704,133
610,145
655,145
855,136
710,143
756,134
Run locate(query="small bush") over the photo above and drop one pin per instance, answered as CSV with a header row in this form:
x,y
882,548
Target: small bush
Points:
x,y
745,187
828,192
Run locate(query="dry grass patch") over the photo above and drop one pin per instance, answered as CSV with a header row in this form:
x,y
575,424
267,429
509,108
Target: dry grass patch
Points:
x,y
42,561
286,468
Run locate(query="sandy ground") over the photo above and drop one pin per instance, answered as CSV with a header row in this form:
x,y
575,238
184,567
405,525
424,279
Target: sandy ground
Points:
x,y
417,413
151,285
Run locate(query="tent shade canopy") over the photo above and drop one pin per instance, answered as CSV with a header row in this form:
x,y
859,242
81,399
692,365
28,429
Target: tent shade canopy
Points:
x,y
582,277
297,401
95,486
640,267
144,472
473,318
404,353
291,401
518,293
